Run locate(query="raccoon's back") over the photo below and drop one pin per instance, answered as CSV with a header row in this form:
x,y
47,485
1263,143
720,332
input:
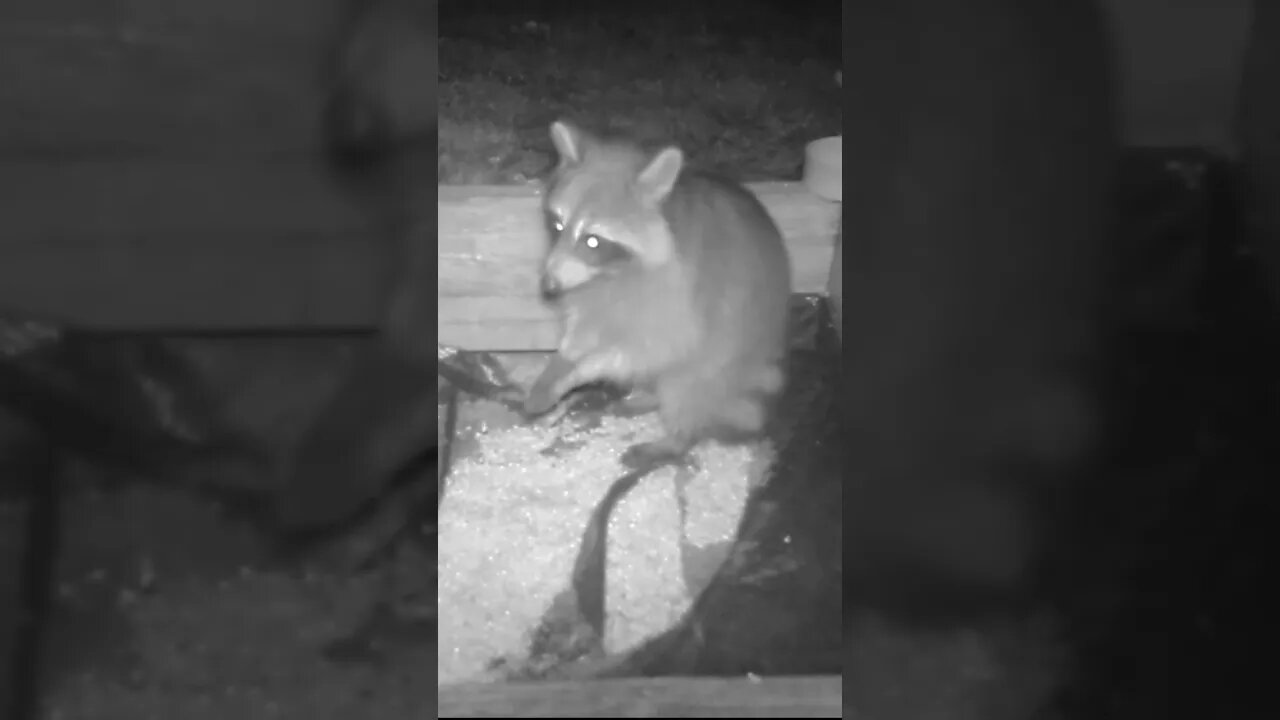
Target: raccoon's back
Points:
x,y
737,260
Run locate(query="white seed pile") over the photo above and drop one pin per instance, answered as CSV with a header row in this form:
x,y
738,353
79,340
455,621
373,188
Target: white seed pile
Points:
x,y
512,519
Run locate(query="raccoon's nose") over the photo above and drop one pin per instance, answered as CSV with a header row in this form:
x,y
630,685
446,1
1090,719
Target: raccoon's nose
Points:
x,y
550,286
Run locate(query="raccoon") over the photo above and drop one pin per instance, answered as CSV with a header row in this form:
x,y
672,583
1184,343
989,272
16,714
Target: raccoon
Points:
x,y
670,282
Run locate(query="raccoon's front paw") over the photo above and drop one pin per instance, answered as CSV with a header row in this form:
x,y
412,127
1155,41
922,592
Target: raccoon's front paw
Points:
x,y
552,384
653,455
512,398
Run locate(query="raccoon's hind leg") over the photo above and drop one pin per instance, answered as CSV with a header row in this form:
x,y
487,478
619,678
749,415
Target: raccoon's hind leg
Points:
x,y
680,436
690,404
730,404
669,450
743,410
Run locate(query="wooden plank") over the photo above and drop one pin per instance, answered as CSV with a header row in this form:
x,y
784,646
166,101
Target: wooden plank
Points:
x,y
86,78
491,238
273,243
835,285
277,18
72,202
650,697
144,245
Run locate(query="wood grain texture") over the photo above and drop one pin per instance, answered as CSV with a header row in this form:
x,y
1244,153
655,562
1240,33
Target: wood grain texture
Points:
x,y
650,697
200,245
82,78
835,284
491,240
274,244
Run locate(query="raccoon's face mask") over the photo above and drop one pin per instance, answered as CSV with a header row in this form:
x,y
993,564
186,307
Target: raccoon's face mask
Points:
x,y
577,257
603,209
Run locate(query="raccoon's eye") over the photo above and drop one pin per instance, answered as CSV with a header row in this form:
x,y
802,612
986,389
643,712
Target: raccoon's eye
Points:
x,y
604,251
554,222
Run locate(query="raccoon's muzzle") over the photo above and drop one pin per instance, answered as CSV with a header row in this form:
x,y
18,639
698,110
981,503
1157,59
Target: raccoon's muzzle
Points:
x,y
563,272
550,287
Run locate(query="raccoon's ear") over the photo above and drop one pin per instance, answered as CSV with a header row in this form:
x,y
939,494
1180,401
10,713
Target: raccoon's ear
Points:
x,y
568,140
659,176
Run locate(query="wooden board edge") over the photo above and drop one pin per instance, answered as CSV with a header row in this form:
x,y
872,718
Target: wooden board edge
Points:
x,y
835,284
751,696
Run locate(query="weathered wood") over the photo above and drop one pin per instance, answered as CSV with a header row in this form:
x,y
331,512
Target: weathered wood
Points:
x,y
650,697
274,243
158,168
145,245
835,285
177,76
491,239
